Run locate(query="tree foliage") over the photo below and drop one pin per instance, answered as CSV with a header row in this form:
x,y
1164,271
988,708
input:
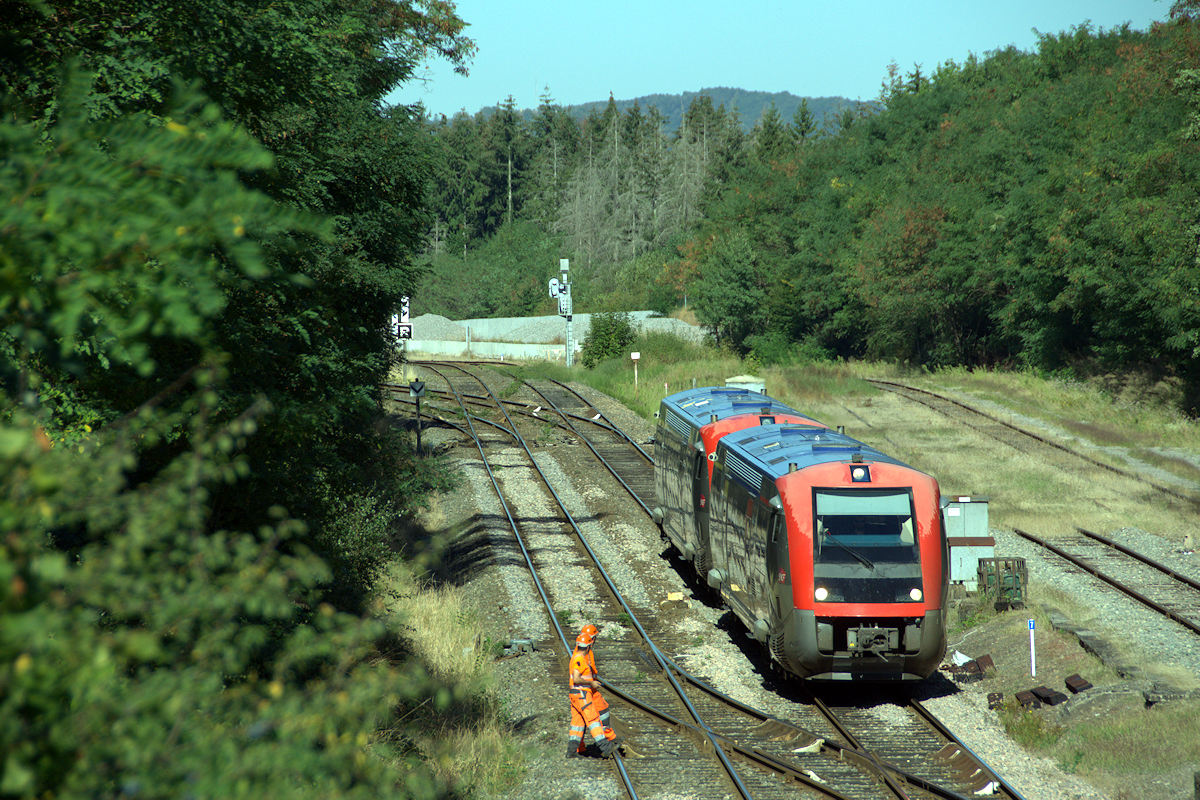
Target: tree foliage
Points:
x,y
209,219
1034,209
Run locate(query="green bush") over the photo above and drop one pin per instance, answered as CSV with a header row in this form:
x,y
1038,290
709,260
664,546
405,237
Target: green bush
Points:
x,y
659,347
774,348
611,333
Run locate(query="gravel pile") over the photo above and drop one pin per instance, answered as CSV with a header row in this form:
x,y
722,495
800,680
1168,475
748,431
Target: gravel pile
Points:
x,y
436,328
543,330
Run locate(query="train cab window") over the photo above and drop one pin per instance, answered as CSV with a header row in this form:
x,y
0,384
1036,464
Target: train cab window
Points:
x,y
864,545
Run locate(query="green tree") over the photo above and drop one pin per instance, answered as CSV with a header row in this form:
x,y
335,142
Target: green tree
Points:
x,y
729,298
769,139
610,334
148,652
804,122
193,320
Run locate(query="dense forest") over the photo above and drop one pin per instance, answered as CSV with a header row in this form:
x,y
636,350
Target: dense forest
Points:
x,y
1025,209
209,215
749,105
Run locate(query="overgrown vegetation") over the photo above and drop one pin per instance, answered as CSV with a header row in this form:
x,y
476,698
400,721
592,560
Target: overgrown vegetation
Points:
x,y
208,219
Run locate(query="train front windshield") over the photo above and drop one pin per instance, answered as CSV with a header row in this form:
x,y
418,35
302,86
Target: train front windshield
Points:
x,y
865,547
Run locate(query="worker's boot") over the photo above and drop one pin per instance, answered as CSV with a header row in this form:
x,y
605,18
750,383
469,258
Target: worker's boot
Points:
x,y
573,750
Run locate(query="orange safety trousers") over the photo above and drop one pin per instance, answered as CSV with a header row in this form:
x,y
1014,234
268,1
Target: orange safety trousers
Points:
x,y
585,716
597,698
589,710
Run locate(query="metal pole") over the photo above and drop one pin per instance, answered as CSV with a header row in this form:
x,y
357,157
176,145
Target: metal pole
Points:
x,y
1032,652
418,425
565,307
570,348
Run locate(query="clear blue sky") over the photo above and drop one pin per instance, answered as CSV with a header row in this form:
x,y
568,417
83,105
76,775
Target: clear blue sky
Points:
x,y
585,49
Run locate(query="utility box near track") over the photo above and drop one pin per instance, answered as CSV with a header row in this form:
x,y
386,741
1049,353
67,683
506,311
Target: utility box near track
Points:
x,y
967,534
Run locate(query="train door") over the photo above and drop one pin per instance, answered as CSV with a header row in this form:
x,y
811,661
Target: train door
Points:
x,y
739,547
700,497
757,583
775,564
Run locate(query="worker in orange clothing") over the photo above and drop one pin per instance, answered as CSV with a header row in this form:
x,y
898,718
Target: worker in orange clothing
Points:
x,y
589,634
586,702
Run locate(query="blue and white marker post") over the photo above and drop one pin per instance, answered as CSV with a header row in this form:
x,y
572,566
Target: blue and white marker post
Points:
x,y
1032,652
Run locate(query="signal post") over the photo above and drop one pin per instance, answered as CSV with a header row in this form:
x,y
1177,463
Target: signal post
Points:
x,y
562,290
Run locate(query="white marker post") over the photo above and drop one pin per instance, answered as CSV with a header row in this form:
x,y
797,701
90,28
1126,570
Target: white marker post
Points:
x,y
1032,653
635,356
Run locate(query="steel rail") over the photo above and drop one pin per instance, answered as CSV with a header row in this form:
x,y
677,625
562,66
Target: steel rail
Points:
x,y
617,430
872,761
478,399
730,770
827,712
770,762
466,415
843,752
1163,568
865,758
898,388
855,752
595,452
1134,593
932,721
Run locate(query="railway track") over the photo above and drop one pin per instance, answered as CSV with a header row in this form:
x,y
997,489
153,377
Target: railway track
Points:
x,y
1151,583
689,735
1021,438
632,466
666,740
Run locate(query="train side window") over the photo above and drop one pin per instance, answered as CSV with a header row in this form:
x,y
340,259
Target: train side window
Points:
x,y
762,524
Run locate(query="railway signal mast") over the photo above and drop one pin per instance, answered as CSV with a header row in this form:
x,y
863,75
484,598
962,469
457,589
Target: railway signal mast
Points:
x,y
562,290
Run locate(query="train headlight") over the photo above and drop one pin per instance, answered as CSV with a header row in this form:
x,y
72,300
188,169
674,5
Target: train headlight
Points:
x,y
916,594
821,594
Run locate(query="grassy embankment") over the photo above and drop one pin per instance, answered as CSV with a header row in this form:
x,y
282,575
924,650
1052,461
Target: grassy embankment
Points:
x,y
466,736
1036,493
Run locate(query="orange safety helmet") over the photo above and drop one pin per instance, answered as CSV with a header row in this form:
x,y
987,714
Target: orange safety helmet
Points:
x,y
585,637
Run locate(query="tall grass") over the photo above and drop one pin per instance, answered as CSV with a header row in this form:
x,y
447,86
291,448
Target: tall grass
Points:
x,y
464,738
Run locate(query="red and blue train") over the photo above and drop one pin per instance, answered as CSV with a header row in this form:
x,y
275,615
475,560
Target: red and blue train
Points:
x,y
833,554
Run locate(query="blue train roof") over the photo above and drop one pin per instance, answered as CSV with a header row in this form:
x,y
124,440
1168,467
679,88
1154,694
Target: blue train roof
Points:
x,y
698,405
770,449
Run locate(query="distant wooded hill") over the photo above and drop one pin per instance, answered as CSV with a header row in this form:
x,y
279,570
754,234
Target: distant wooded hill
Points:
x,y
749,105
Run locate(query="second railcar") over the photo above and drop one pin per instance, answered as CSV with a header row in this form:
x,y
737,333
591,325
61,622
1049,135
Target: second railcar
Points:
x,y
690,423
